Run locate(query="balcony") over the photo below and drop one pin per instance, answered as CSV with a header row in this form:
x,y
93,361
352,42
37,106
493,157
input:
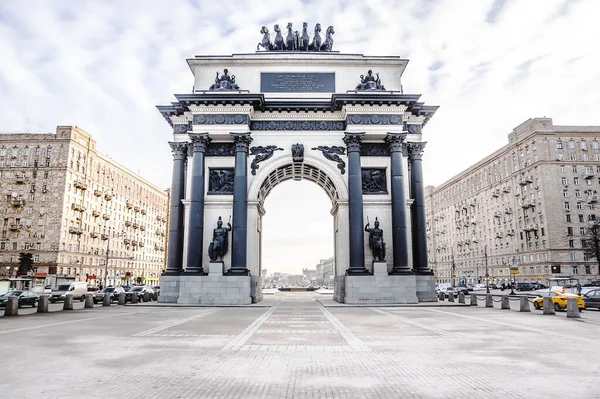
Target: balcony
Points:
x,y
526,180
18,202
142,227
134,243
97,193
163,219
474,221
19,179
80,184
510,233
141,244
506,189
162,233
95,213
530,227
508,210
162,249
93,234
75,230
128,204
127,241
592,199
104,237
143,211
156,247
157,232
157,218
136,208
499,234
474,240
106,216
78,207
15,227
128,223
108,196
497,214
589,174
496,193
136,225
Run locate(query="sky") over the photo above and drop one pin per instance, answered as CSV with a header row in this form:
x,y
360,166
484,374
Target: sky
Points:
x,y
489,64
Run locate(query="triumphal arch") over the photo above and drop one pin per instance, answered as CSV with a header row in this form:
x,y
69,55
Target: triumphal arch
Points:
x,y
297,110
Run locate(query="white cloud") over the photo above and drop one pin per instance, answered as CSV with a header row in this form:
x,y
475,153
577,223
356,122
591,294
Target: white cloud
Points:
x,y
490,65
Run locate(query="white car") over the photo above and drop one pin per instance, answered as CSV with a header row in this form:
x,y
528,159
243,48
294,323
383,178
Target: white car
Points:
x,y
479,287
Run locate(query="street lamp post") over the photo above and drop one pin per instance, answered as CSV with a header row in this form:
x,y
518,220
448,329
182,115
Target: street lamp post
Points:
x,y
107,255
487,275
594,224
453,270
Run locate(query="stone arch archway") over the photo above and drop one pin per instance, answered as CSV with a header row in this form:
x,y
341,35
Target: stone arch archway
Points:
x,y
311,169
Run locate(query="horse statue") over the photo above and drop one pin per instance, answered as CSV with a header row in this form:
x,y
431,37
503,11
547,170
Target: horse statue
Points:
x,y
266,40
278,44
316,43
290,39
305,41
328,44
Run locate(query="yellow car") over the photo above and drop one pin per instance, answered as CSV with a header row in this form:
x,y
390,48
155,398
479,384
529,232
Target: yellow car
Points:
x,y
559,300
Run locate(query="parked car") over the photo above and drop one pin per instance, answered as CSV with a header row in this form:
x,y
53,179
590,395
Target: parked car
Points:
x,y
112,291
138,291
592,299
559,300
26,298
479,287
448,290
156,289
78,289
525,287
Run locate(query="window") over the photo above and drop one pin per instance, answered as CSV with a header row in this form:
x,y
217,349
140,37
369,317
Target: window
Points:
x,y
571,144
565,194
583,145
588,269
564,181
560,157
595,145
575,271
580,205
562,168
578,193
574,168
572,156
38,151
576,181
573,257
582,231
559,145
567,205
580,218
568,218
571,243
569,231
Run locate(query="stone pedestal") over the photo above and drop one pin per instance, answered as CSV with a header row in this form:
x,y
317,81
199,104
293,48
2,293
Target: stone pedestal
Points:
x,y
169,288
215,290
89,302
43,304
216,268
380,268
12,306
388,289
426,287
339,289
256,284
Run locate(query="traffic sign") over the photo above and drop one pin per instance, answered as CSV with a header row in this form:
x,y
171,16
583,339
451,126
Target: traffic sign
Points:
x,y
514,271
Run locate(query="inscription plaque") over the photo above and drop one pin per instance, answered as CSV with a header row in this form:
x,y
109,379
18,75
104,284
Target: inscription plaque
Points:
x,y
297,82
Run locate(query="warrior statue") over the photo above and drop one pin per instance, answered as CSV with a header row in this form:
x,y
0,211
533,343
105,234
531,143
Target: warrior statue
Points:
x,y
224,82
376,243
218,247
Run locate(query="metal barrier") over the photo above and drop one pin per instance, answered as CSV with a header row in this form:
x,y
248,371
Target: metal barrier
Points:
x,y
43,304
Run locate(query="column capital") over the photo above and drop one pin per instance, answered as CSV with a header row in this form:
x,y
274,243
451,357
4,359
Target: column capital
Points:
x,y
353,141
242,141
415,149
396,141
199,141
179,149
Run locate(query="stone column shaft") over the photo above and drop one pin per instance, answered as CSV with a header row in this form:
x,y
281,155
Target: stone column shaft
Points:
x,y
175,248
355,205
399,228
240,206
195,225
419,232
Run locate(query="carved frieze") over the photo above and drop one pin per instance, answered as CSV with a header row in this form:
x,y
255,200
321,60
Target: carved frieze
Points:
x,y
297,125
220,150
374,181
413,129
261,154
374,119
221,119
182,128
374,150
333,154
220,181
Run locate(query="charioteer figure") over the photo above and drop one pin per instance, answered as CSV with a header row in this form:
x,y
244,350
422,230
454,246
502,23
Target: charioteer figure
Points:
x,y
224,82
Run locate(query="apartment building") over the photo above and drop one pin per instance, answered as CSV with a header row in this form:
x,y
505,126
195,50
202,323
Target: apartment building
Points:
x,y
528,206
79,213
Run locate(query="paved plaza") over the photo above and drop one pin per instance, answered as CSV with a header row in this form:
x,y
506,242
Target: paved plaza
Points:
x,y
295,347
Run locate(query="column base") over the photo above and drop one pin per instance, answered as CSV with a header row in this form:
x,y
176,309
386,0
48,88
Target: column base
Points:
x,y
404,271
427,272
172,273
359,271
237,272
194,273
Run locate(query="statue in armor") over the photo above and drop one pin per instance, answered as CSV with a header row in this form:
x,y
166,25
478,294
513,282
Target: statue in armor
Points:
x,y
376,243
224,82
219,245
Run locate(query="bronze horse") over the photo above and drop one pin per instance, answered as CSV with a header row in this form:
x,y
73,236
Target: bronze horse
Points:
x,y
266,40
316,43
303,45
278,43
290,39
328,44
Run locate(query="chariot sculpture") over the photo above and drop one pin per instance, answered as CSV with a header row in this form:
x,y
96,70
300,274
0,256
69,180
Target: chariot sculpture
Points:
x,y
296,41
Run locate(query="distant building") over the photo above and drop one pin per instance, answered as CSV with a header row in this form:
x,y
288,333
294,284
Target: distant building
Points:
x,y
325,271
528,205
66,203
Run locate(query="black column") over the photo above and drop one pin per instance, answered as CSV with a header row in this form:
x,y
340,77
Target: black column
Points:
x,y
419,233
240,205
195,226
355,205
399,233
175,252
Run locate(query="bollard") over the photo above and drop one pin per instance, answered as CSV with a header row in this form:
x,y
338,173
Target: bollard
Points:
x,y
524,305
68,305
89,302
134,298
505,304
489,301
145,297
451,297
461,297
473,300
121,299
43,304
572,308
548,306
155,296
441,296
106,300
12,306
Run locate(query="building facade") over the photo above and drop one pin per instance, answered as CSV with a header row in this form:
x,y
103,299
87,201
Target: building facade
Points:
x,y
528,206
325,271
80,214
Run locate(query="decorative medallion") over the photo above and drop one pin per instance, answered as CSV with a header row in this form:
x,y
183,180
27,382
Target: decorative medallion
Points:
x,y
298,125
221,119
374,119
